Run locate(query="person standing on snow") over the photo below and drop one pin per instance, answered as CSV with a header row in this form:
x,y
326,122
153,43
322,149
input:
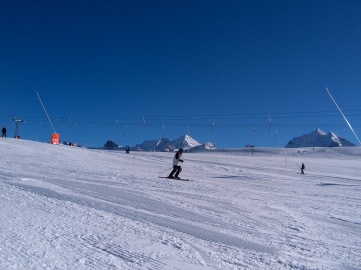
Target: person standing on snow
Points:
x,y
177,165
302,168
3,132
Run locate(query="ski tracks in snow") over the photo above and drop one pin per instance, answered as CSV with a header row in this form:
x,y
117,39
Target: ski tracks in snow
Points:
x,y
140,209
110,211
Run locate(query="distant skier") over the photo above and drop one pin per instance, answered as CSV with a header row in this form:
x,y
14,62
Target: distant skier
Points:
x,y
3,132
177,165
302,168
127,150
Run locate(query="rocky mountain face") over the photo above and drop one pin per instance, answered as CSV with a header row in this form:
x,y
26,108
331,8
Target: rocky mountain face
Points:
x,y
165,145
318,138
110,145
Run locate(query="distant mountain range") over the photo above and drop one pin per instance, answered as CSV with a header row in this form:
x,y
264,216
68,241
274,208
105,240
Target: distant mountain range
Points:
x,y
318,138
165,145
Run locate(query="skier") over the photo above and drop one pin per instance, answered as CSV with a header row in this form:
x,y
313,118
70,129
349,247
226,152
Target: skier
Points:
x,y
127,150
302,168
3,132
177,165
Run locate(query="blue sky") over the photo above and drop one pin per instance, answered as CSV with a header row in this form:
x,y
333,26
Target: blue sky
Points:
x,y
214,69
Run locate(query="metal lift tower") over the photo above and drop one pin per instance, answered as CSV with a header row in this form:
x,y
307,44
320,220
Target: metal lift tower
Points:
x,y
17,121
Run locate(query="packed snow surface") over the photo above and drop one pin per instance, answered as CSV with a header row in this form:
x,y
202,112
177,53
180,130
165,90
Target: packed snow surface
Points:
x,y
72,208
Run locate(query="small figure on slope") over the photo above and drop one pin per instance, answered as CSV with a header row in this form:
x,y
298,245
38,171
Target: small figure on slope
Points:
x,y
302,168
3,132
177,165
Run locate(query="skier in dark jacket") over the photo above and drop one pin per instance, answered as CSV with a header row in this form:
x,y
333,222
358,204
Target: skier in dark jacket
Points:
x,y
177,165
302,168
3,132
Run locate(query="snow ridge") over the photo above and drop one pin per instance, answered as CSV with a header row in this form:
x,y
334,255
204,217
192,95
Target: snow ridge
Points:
x,y
318,138
166,145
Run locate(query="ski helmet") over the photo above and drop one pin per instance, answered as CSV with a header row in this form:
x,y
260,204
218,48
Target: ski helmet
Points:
x,y
180,150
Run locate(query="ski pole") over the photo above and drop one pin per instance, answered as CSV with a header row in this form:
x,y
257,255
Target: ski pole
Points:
x,y
165,170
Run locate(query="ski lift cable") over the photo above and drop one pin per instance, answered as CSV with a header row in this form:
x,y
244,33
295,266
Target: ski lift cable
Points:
x,y
46,112
270,122
279,115
213,125
190,118
143,127
348,123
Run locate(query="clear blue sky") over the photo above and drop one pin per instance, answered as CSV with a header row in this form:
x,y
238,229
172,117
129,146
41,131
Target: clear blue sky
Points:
x,y
100,67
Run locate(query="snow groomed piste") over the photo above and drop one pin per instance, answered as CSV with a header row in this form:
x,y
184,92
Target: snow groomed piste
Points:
x,y
74,208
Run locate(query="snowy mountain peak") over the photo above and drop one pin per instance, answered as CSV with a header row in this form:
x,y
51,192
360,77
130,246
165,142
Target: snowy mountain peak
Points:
x,y
318,138
164,144
332,135
186,142
319,132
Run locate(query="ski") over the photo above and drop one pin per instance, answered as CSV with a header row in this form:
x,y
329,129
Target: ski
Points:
x,y
166,177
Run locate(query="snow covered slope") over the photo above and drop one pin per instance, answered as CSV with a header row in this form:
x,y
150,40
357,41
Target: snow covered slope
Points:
x,y
73,208
318,138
